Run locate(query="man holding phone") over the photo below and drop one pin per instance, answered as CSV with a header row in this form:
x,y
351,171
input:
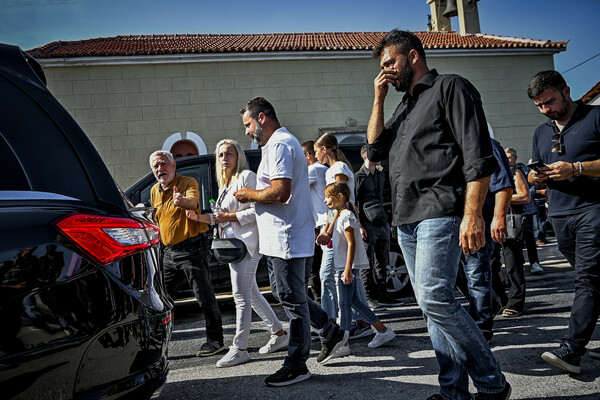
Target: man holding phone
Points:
x,y
537,165
569,146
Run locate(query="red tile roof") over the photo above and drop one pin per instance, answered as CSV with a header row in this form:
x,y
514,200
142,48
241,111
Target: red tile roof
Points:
x,y
591,94
274,42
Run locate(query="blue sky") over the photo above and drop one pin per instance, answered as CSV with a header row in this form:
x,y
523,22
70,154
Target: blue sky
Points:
x,y
32,23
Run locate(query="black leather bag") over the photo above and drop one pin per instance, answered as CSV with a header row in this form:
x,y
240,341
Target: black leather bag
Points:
x,y
375,213
515,225
228,250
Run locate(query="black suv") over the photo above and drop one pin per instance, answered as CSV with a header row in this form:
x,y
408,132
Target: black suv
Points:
x,y
83,309
203,169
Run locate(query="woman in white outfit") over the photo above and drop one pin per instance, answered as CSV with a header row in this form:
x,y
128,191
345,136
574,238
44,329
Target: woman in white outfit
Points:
x,y
237,220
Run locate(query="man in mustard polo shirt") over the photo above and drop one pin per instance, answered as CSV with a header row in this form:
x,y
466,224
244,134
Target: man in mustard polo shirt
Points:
x,y
185,244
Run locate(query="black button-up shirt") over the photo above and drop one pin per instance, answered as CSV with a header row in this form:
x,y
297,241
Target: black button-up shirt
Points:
x,y
437,141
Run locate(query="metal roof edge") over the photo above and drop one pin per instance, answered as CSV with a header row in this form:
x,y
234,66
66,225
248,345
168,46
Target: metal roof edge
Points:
x,y
275,56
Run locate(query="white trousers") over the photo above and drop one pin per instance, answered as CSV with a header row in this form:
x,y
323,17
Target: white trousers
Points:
x,y
247,297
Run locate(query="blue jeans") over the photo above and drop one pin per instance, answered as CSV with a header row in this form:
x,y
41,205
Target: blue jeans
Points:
x,y
352,300
432,254
578,237
288,286
329,290
329,300
478,272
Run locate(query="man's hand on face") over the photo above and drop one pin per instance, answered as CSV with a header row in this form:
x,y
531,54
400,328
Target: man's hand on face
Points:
x,y
385,77
177,197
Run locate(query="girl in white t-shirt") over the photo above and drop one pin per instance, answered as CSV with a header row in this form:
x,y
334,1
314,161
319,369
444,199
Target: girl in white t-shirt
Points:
x,y
327,152
349,255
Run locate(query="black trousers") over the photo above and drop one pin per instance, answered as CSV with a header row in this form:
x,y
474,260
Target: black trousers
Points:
x,y
578,237
314,277
513,261
378,253
188,260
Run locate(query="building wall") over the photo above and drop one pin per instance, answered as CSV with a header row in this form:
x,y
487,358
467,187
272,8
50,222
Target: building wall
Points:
x,y
128,111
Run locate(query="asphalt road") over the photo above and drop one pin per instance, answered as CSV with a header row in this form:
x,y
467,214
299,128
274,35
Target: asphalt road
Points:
x,y
405,368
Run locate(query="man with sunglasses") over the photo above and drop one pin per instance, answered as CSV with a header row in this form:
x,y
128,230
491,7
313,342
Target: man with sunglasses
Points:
x,y
568,145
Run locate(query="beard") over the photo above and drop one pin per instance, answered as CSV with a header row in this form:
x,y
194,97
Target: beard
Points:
x,y
405,77
257,136
558,114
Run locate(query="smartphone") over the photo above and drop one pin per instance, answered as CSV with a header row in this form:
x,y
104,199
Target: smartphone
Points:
x,y
536,165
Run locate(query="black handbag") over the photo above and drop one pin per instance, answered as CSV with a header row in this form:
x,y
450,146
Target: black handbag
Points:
x,y
228,250
515,225
375,213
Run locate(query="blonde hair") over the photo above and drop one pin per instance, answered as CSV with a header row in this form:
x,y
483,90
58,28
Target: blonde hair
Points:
x,y
330,142
335,189
242,163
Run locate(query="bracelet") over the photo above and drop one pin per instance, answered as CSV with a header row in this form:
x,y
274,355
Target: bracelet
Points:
x,y
212,218
580,168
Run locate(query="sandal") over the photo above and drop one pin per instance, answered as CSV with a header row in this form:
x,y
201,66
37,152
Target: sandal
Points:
x,y
510,313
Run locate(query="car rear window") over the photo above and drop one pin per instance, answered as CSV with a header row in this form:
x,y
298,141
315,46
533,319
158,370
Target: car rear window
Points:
x,y
16,179
40,157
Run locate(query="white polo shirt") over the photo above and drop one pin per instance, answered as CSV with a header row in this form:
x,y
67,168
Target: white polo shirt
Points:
x,y
285,230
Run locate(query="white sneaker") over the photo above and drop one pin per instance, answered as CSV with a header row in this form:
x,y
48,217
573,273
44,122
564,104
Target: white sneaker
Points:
x,y
233,357
536,268
344,351
275,343
381,338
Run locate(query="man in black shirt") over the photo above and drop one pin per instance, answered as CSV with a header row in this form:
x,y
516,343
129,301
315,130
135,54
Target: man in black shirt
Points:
x,y
440,165
568,143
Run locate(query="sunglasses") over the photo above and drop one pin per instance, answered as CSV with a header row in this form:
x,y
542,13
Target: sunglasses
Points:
x,y
557,145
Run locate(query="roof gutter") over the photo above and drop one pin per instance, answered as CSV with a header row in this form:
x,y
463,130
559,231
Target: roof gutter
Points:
x,y
277,56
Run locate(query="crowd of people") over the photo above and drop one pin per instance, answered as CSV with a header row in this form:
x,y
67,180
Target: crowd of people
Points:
x,y
459,200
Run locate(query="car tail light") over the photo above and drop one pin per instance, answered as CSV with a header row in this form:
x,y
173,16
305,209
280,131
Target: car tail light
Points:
x,y
106,239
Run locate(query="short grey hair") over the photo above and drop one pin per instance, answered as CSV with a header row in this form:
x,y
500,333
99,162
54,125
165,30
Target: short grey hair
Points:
x,y
511,151
162,153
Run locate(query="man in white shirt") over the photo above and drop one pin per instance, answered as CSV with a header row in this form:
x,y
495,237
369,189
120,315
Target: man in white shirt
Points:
x,y
316,180
286,232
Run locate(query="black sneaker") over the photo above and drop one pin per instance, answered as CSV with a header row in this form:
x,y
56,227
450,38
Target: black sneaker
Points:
x,y
338,339
210,348
564,357
595,353
503,395
287,375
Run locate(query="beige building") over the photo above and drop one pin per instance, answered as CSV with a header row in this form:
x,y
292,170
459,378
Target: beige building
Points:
x,y
133,95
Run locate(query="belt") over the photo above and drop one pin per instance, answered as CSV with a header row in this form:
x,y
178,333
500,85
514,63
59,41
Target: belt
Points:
x,y
189,242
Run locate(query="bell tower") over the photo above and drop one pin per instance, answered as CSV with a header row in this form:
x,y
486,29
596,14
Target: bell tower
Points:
x,y
443,10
